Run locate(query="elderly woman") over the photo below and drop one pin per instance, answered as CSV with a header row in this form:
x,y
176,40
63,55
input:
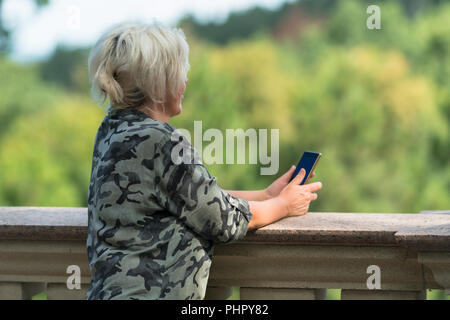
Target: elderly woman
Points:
x,y
153,221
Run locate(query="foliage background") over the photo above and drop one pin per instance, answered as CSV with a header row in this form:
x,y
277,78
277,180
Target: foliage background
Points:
x,y
376,103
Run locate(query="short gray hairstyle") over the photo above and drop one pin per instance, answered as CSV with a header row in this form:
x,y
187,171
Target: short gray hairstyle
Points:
x,y
134,63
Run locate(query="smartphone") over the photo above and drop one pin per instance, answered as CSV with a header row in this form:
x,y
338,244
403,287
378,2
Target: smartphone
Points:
x,y
308,162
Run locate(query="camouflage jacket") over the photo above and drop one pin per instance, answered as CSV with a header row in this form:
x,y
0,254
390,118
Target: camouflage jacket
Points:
x,y
152,223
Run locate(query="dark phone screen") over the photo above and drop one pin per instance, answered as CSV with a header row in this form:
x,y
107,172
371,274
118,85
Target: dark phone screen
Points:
x,y
306,162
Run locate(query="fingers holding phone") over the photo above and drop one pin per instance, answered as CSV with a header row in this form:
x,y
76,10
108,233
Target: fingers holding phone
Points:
x,y
308,162
298,197
297,193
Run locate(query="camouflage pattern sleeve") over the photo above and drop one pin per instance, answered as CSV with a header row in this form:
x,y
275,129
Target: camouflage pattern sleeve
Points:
x,y
188,191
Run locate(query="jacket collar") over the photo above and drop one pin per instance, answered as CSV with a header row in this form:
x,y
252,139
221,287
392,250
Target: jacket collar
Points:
x,y
127,114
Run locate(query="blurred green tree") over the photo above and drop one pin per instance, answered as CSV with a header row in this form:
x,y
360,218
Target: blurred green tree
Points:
x,y
22,93
46,156
67,68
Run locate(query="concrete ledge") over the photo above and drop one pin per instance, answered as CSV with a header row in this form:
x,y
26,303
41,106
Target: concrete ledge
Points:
x,y
429,231
295,258
43,223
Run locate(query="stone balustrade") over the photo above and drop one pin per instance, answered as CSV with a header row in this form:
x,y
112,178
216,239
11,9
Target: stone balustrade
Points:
x,y
295,258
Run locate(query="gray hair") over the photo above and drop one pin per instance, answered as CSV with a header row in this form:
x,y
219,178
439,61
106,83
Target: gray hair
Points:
x,y
133,63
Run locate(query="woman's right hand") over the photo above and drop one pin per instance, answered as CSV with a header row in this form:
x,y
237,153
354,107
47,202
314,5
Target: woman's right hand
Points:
x,y
296,197
293,200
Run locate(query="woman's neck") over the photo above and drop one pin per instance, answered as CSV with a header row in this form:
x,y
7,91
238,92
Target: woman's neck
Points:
x,y
154,114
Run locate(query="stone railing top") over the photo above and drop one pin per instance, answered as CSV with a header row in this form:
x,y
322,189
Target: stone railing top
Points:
x,y
429,231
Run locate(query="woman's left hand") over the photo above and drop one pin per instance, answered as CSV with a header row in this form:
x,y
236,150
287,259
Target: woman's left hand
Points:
x,y
275,188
